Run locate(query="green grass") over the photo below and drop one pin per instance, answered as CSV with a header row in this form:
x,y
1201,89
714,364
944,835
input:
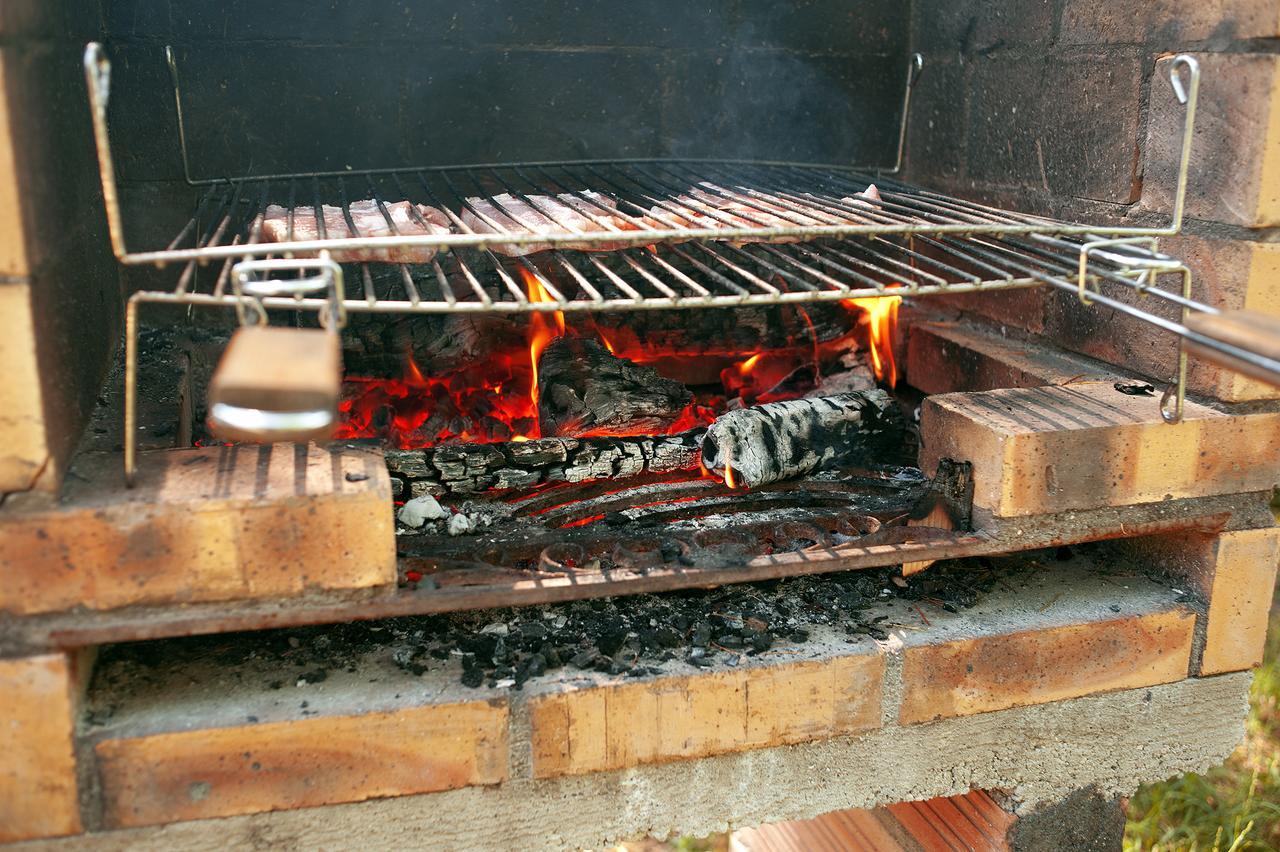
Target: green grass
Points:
x,y
1235,806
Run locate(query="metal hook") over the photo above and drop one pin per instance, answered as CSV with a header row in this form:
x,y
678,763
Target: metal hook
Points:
x,y
1181,61
1187,95
915,66
177,108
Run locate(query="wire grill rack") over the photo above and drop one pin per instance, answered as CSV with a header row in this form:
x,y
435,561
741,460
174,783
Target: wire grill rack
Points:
x,y
650,234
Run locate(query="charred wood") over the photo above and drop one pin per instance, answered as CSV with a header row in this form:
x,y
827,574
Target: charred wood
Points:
x,y
780,440
473,468
583,388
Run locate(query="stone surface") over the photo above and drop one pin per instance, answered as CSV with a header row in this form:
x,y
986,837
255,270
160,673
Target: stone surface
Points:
x,y
38,770
1234,175
1086,821
214,523
1052,449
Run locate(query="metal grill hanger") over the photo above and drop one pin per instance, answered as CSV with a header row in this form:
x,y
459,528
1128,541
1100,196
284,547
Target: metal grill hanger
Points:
x,y
798,233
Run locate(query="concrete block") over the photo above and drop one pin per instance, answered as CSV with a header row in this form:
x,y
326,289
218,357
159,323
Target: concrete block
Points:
x,y
1235,154
303,763
1053,449
613,726
215,523
979,675
38,795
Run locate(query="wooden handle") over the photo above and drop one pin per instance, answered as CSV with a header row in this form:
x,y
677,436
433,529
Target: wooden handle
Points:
x,y
276,384
1249,330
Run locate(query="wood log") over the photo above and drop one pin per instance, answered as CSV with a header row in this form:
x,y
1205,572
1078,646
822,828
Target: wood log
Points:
x,y
472,468
583,388
780,440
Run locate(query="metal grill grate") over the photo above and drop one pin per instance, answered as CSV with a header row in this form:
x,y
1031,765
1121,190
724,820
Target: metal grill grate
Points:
x,y
912,240
645,234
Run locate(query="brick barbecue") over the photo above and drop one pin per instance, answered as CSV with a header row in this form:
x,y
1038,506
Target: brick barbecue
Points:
x,y
661,471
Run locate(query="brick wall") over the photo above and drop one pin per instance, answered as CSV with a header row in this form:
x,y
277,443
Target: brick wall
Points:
x,y
1063,107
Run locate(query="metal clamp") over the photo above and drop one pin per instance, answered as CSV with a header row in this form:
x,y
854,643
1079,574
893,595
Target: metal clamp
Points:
x,y
254,280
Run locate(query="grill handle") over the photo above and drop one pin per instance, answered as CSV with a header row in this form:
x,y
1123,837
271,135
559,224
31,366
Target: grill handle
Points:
x,y
277,384
1255,333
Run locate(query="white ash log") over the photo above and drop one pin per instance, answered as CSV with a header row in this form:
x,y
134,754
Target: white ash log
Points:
x,y
583,388
780,440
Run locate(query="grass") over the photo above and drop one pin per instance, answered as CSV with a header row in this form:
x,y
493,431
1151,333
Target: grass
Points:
x,y
1232,807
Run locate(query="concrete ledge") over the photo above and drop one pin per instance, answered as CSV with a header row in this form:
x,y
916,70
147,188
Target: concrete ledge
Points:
x,y
1114,741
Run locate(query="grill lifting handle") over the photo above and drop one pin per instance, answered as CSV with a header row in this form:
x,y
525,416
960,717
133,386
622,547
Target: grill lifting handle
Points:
x,y
277,383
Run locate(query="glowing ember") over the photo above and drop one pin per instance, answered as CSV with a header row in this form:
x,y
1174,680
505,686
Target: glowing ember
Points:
x,y
882,320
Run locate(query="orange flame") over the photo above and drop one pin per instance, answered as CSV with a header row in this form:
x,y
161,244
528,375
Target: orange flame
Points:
x,y
882,318
541,330
728,475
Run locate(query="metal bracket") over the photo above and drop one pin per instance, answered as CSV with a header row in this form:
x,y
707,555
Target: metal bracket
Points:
x,y
250,289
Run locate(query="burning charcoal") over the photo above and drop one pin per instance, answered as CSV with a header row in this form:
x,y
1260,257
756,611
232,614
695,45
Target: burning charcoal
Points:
x,y
780,440
761,641
419,510
472,677
730,640
584,388
584,659
496,628
398,486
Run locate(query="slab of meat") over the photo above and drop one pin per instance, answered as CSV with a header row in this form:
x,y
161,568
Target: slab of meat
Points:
x,y
716,209
584,212
369,221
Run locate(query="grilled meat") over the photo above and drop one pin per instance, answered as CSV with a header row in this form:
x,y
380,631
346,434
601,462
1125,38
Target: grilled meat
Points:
x,y
367,220
584,212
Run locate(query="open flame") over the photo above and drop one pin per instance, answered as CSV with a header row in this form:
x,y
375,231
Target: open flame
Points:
x,y
882,322
541,329
492,395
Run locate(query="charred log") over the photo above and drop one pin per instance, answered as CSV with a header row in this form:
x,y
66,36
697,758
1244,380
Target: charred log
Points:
x,y
583,388
780,440
473,468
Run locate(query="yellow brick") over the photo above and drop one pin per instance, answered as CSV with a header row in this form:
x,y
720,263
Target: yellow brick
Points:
x,y
215,523
1243,581
613,726
320,761
37,759
971,676
1083,446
